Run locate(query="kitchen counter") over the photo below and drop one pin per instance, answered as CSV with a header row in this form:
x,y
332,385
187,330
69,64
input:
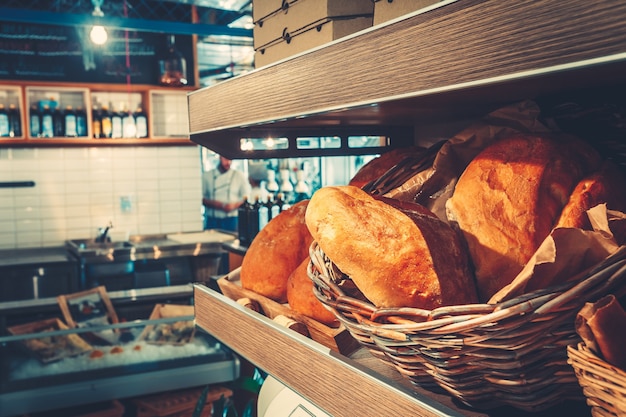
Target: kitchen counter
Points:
x,y
148,247
28,256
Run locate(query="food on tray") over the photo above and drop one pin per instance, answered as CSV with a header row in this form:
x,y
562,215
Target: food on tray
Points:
x,y
509,198
397,253
179,332
301,298
276,252
50,348
96,354
601,326
116,350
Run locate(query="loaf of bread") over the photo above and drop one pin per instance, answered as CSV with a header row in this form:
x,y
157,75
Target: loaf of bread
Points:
x,y
509,198
606,185
301,298
400,256
276,252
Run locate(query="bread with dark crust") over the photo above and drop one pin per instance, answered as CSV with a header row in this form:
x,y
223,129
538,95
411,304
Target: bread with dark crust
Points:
x,y
397,257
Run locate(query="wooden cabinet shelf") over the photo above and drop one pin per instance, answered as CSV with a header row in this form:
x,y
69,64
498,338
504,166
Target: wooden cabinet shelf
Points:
x,y
456,59
166,110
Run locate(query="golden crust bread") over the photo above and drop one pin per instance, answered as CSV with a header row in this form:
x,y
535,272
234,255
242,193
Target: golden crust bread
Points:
x,y
508,199
604,186
276,252
395,259
301,298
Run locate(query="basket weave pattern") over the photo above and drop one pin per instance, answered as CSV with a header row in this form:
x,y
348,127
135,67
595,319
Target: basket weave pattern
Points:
x,y
603,384
513,353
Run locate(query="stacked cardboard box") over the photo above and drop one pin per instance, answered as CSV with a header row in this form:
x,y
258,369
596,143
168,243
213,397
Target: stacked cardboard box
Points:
x,y
283,28
385,10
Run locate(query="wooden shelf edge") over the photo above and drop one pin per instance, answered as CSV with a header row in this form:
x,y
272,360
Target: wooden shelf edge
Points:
x,y
60,143
340,385
458,46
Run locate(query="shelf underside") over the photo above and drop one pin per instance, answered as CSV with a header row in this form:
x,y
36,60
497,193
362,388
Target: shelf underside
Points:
x,y
453,60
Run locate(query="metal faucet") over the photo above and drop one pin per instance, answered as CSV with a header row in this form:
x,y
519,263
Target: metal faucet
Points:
x,y
102,234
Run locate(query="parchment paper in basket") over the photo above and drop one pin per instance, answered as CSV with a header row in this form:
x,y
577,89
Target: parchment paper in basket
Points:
x,y
601,326
564,255
433,185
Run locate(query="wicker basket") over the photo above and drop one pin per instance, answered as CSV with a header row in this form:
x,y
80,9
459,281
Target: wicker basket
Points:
x,y
513,353
603,384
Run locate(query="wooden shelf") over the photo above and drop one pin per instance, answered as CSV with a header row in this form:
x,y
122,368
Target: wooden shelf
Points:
x,y
456,59
358,385
145,91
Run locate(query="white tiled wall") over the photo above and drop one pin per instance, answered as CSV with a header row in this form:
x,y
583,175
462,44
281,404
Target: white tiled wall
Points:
x,y
78,190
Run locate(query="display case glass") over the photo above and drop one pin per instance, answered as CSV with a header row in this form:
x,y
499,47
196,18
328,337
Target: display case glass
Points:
x,y
153,347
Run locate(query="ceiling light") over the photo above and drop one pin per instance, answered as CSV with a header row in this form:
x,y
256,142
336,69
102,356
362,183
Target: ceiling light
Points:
x,y
98,34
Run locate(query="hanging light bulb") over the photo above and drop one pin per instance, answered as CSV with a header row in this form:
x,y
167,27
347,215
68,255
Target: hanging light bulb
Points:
x,y
98,33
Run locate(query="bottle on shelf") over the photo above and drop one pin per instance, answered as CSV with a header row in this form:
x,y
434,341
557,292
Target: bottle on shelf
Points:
x,y
34,121
273,208
116,124
81,122
302,190
107,125
253,220
272,185
47,122
69,122
278,204
264,214
15,121
4,121
129,126
173,66
141,123
58,123
96,122
243,213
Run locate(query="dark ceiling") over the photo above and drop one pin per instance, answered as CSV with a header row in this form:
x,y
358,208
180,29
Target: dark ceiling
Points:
x,y
223,27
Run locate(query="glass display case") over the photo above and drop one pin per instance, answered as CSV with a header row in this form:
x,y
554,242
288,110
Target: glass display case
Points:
x,y
149,350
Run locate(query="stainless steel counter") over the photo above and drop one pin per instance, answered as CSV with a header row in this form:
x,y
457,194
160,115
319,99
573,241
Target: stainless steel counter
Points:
x,y
30,256
157,246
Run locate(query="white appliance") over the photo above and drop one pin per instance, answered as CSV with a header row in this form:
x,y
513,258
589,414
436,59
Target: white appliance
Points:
x,y
277,400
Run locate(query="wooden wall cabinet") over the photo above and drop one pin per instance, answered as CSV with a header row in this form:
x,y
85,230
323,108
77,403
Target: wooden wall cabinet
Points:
x,y
165,109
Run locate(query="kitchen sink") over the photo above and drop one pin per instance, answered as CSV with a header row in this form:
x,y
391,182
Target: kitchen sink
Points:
x,y
89,248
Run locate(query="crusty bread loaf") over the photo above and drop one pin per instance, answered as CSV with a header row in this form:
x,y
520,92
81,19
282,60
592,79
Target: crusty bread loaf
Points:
x,y
301,298
508,199
397,257
604,186
276,252
375,168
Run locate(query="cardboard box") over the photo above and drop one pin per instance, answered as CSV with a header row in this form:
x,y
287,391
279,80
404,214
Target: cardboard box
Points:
x,y
385,10
273,19
314,36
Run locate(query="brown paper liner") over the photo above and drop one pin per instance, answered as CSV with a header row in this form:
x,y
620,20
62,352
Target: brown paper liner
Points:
x,y
602,326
